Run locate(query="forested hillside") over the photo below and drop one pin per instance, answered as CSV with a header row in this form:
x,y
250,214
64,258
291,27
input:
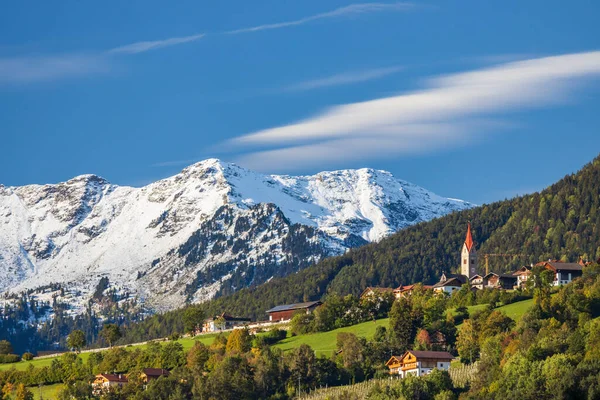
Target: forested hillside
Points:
x,y
561,222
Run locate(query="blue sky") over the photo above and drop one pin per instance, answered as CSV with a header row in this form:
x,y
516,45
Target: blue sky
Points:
x,y
471,99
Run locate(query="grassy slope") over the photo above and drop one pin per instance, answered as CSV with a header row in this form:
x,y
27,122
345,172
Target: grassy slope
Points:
x,y
322,343
325,342
516,310
187,343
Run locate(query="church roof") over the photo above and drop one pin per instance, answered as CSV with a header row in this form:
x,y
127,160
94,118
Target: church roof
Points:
x,y
469,239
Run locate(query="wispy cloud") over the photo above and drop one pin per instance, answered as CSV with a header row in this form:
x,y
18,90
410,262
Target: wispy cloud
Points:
x,y
140,47
342,79
446,113
28,69
34,68
353,9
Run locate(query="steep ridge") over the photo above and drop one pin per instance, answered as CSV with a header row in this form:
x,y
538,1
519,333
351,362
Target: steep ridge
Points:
x,y
212,229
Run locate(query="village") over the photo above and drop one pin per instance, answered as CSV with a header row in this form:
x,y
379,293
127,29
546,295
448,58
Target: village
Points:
x,y
412,362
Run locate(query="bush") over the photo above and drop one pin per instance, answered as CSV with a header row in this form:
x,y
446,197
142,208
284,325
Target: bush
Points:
x,y
175,336
27,356
9,358
275,335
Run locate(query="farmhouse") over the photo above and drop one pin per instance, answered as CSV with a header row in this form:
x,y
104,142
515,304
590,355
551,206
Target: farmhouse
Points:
x,y
476,281
103,382
500,281
223,322
563,272
522,275
286,312
459,277
449,286
419,363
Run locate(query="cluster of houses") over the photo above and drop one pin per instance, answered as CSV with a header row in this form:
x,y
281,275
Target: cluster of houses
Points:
x,y
564,272
277,315
104,382
420,362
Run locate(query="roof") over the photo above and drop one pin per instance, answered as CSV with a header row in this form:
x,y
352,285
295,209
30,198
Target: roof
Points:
x,y
376,289
155,372
430,354
475,276
450,282
393,358
411,287
113,377
295,306
228,317
524,270
563,266
506,276
459,277
469,239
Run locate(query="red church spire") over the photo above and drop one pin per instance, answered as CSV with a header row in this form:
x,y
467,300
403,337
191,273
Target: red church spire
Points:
x,y
469,239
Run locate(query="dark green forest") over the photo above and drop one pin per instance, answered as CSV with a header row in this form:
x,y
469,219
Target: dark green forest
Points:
x,y
561,222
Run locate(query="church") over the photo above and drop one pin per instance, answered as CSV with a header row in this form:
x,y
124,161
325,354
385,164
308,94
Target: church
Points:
x,y
468,256
468,268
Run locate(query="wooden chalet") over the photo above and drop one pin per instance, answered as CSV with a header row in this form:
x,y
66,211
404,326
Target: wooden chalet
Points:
x,y
476,281
500,281
104,382
564,272
286,312
419,363
522,275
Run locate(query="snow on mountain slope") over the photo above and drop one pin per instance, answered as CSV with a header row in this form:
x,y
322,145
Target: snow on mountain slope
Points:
x,y
211,229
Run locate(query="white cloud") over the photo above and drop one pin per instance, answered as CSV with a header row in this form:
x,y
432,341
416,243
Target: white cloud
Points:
x,y
26,69
353,9
43,68
140,47
440,115
342,79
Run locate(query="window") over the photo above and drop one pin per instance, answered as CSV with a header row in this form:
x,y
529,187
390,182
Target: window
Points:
x,y
472,261
465,261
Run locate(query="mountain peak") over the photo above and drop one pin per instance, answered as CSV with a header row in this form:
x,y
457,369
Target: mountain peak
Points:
x,y
214,226
88,179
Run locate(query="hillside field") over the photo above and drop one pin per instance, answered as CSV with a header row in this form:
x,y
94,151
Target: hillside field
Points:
x,y
322,343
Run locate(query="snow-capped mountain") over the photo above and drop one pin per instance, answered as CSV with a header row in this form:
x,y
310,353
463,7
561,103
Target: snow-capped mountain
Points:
x,y
211,229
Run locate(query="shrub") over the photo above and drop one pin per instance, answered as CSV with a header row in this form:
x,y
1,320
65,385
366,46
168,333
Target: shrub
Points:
x,y
27,356
9,358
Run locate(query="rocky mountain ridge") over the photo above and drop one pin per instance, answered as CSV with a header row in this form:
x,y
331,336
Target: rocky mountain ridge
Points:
x,y
211,229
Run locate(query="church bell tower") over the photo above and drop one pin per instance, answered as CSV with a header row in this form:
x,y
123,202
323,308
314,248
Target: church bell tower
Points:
x,y
468,256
